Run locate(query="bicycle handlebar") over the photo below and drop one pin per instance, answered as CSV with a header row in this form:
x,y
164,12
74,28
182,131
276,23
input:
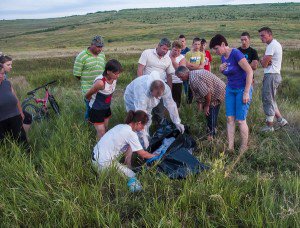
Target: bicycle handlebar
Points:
x,y
40,87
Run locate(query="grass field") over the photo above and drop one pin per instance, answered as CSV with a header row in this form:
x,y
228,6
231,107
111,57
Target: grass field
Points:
x,y
56,186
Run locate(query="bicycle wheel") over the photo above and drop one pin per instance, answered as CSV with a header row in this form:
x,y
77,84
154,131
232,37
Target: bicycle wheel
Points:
x,y
36,113
54,104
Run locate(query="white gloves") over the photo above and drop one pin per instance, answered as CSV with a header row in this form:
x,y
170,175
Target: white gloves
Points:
x,y
180,127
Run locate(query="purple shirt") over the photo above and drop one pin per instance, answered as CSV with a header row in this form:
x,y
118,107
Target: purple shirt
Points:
x,y
236,76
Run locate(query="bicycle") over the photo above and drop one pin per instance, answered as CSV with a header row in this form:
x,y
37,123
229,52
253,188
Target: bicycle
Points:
x,y
38,107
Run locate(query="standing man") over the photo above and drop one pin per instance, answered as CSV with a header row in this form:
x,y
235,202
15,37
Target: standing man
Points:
x,y
89,64
271,62
249,52
209,93
157,60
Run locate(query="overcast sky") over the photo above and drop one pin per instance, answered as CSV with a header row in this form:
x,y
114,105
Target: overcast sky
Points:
x,y
23,9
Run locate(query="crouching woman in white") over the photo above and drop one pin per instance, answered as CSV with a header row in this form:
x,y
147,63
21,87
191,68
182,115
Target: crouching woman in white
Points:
x,y
122,139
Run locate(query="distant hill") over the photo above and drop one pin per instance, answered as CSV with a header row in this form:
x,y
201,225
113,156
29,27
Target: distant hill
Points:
x,y
133,28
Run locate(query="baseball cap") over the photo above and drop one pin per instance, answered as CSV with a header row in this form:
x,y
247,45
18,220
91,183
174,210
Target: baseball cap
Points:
x,y
98,41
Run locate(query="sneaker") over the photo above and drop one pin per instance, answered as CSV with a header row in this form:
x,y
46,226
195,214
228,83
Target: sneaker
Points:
x,y
134,185
282,122
267,129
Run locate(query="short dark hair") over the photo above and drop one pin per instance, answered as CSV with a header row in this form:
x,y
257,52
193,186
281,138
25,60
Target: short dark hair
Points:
x,y
181,36
4,59
246,34
217,40
196,39
203,41
267,29
1,66
165,41
113,65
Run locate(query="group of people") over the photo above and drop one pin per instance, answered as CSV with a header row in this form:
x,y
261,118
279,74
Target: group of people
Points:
x,y
162,74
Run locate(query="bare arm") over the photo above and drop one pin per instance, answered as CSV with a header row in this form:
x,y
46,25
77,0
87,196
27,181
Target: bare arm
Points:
x,y
145,154
96,87
249,78
266,61
254,64
18,103
169,80
207,103
140,70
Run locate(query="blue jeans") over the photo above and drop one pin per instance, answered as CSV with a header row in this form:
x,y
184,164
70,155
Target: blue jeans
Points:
x,y
87,109
234,103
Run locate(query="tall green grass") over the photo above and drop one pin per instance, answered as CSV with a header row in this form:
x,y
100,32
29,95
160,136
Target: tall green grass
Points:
x,y
56,185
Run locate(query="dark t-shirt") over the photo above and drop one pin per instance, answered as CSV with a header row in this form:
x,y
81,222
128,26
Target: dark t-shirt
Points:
x,y
8,101
184,51
249,53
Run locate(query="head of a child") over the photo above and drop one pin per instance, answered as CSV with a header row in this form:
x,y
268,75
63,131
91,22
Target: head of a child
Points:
x,y
137,119
203,44
113,69
196,44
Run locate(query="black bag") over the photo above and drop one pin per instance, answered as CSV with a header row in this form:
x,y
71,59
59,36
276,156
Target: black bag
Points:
x,y
178,162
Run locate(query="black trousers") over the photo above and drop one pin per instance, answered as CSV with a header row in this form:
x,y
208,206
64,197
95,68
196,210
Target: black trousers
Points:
x,y
14,126
212,119
176,93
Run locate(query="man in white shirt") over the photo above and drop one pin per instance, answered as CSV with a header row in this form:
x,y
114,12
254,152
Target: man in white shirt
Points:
x,y
146,92
271,62
157,60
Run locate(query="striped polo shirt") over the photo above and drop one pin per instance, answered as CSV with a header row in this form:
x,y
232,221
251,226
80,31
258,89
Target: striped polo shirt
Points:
x,y
88,67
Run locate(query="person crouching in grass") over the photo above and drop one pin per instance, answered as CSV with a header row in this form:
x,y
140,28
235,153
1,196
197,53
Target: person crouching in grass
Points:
x,y
100,95
209,92
122,139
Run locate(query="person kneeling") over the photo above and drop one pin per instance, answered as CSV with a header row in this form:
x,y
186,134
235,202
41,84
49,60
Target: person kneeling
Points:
x,y
122,139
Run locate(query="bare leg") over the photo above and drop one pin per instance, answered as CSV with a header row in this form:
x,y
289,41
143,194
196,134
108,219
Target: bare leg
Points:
x,y
244,131
26,128
230,132
100,130
128,157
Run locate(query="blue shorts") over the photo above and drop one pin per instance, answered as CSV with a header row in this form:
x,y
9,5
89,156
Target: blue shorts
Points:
x,y
234,103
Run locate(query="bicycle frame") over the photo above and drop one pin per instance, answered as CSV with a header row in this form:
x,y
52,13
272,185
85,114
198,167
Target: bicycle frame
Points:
x,y
42,101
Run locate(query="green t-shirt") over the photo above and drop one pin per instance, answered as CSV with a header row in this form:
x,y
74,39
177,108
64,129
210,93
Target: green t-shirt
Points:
x,y
88,67
195,57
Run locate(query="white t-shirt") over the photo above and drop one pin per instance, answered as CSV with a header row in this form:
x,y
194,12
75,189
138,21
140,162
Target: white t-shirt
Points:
x,y
175,79
115,142
275,50
152,62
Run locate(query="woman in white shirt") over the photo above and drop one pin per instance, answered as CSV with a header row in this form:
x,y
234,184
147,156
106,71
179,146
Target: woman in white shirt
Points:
x,y
122,139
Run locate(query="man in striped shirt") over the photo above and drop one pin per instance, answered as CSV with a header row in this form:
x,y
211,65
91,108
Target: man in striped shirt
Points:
x,y
88,65
209,92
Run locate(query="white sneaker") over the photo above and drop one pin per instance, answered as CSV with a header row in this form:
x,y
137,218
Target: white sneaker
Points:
x,y
282,123
266,129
